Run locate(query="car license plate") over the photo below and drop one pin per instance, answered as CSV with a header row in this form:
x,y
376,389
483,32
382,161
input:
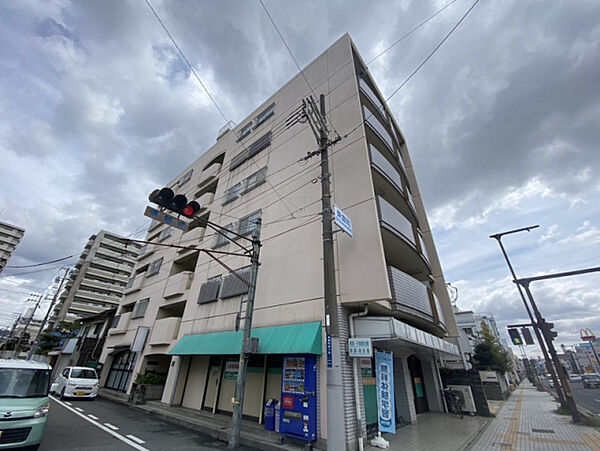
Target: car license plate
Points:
x,y
79,393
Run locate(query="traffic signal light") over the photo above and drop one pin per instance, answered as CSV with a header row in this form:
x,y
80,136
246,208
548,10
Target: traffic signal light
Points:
x,y
515,337
527,336
547,328
167,199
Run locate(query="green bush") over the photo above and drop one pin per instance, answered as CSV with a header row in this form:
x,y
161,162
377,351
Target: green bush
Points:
x,y
151,379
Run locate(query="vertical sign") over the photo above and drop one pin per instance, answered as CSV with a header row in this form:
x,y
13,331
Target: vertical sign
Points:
x,y
329,358
384,366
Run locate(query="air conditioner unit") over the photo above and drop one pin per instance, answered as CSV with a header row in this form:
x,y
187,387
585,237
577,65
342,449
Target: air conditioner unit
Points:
x,y
466,397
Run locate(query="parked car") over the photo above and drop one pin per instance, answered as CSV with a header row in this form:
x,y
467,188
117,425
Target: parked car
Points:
x,y
591,380
76,382
24,403
574,378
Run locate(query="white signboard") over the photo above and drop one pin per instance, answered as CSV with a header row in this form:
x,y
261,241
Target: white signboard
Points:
x,y
342,221
360,347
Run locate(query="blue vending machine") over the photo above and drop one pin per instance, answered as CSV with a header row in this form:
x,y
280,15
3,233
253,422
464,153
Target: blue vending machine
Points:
x,y
299,397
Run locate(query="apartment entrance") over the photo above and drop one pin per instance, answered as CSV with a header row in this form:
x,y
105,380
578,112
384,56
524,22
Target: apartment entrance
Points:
x,y
418,385
120,371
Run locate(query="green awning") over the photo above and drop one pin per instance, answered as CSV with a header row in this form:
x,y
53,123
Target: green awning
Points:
x,y
293,339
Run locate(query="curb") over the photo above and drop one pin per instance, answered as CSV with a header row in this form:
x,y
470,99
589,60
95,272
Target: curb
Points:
x,y
217,432
478,434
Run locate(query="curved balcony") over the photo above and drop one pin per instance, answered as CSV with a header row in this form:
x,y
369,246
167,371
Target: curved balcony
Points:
x,y
378,128
372,96
401,241
413,301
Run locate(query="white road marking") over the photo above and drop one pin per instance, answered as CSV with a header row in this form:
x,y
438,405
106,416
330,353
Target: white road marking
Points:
x,y
113,427
104,428
68,403
93,417
135,439
597,400
78,409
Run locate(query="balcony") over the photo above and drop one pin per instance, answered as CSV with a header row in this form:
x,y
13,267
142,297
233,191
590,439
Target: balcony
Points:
x,y
164,331
192,238
206,199
379,129
372,96
122,325
440,313
209,174
118,255
178,284
146,251
107,274
400,240
136,284
97,297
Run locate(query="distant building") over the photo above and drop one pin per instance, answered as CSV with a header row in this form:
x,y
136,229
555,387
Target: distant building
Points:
x,y
10,236
586,358
99,278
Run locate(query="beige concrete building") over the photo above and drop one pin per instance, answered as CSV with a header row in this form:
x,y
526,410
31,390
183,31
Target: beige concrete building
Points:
x,y
179,311
10,236
99,278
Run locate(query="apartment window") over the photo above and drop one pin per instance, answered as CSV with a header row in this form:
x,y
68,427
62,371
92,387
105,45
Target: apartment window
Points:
x,y
130,282
98,329
233,286
186,178
165,233
225,238
232,194
154,267
266,114
143,250
245,131
254,180
139,310
261,143
209,290
248,223
115,321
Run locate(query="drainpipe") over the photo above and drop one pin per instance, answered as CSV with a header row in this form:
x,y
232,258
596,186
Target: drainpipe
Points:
x,y
356,387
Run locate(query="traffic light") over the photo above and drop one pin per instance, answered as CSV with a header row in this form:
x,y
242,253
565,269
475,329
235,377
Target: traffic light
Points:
x,y
515,337
527,336
167,199
547,328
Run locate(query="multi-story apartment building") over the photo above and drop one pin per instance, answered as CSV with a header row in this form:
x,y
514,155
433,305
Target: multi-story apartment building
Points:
x,y
178,315
10,236
99,278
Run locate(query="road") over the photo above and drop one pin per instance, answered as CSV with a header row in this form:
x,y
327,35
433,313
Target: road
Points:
x,y
588,398
103,425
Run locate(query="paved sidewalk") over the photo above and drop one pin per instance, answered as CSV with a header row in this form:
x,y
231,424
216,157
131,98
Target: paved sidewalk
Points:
x,y
527,422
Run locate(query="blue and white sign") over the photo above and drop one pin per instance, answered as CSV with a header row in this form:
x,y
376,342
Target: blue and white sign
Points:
x,y
342,221
329,354
384,367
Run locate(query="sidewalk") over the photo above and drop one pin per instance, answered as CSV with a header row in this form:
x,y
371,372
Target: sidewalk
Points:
x,y
527,422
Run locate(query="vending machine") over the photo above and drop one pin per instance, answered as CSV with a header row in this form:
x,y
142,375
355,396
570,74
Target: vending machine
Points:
x,y
299,397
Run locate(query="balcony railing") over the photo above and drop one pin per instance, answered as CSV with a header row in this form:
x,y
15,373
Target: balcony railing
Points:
x,y
438,307
378,127
122,325
387,168
164,331
209,173
134,284
423,248
409,292
396,220
206,199
372,96
178,284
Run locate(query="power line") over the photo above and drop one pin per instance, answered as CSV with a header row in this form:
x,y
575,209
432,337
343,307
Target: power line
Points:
x,y
42,264
186,60
412,31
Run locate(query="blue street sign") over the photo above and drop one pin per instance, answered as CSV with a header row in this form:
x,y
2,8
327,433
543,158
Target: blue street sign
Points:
x,y
342,221
384,367
161,216
329,358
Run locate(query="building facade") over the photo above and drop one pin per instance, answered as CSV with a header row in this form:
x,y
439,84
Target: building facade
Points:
x,y
10,236
178,315
99,278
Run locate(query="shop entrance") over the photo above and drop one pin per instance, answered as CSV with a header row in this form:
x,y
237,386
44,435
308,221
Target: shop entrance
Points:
x,y
418,385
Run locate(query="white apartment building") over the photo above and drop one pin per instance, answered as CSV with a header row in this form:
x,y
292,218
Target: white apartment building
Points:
x,y
10,236
179,311
99,278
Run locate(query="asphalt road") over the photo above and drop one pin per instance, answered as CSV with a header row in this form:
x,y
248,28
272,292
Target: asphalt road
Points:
x,y
103,425
588,398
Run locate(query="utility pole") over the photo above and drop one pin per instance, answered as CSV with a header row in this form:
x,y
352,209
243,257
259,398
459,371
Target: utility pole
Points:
x,y
37,304
36,342
240,388
536,329
336,439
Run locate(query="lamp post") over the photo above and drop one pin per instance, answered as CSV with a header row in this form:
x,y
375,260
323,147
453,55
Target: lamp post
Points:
x,y
538,334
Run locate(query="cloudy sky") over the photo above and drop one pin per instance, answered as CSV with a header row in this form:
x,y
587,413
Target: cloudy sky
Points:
x,y
97,109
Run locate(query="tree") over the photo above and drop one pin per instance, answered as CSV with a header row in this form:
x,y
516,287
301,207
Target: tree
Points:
x,y
54,337
489,353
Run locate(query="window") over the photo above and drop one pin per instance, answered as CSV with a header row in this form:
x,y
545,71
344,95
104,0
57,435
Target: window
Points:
x,y
98,329
248,223
140,308
143,250
209,290
130,282
245,131
186,178
226,238
266,114
154,267
165,233
115,321
233,286
255,180
232,194
261,143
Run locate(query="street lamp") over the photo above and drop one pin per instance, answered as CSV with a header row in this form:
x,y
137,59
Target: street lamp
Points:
x,y
549,367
